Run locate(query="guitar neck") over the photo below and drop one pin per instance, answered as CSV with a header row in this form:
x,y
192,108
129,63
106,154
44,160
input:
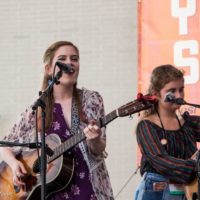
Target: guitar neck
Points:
x,y
107,119
80,136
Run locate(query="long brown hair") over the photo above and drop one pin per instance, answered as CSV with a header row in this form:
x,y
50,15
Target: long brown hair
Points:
x,y
160,76
49,100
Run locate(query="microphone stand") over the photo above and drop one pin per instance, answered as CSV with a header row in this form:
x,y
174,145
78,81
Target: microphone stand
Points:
x,y
12,144
182,102
40,102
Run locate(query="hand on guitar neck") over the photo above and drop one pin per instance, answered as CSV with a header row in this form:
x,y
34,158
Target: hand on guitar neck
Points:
x,y
93,136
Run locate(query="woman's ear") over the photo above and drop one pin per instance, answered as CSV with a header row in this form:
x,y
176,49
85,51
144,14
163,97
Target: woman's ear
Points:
x,y
155,93
48,69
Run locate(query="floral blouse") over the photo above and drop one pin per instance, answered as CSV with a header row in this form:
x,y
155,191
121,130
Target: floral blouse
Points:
x,y
97,176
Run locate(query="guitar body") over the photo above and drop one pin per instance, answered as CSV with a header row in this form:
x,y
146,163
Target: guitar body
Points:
x,y
58,175
191,189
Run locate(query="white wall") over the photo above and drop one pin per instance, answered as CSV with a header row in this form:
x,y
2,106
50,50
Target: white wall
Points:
x,y
106,33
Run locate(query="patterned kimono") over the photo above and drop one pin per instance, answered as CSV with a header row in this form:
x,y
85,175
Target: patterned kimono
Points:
x,y
90,180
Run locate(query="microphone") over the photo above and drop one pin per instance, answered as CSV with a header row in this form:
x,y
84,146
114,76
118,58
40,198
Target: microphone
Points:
x,y
68,69
170,98
180,101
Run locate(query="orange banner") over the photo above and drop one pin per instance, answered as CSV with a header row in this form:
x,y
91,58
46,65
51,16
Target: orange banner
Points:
x,y
169,33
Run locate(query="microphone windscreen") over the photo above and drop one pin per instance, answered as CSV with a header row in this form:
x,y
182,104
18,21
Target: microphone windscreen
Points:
x,y
169,97
68,69
180,101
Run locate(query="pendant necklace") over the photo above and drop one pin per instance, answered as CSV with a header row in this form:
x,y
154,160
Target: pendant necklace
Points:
x,y
164,139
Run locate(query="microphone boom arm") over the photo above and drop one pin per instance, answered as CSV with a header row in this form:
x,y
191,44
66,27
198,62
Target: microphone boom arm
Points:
x,y
182,102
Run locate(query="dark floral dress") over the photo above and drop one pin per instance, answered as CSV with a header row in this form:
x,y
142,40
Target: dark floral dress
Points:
x,y
91,180
80,186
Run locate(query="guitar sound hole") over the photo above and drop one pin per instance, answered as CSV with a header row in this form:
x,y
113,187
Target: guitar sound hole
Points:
x,y
69,154
36,165
194,196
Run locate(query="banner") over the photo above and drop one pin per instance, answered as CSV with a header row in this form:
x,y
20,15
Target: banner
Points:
x,y
169,33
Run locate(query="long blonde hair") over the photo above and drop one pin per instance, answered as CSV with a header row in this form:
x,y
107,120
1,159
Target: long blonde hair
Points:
x,y
49,100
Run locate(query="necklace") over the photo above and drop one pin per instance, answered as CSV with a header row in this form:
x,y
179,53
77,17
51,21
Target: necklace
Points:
x,y
164,139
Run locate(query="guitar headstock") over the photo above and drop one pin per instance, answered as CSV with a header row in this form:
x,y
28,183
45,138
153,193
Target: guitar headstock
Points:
x,y
133,107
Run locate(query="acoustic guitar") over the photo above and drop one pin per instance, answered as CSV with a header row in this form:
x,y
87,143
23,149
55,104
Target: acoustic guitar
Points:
x,y
59,168
191,190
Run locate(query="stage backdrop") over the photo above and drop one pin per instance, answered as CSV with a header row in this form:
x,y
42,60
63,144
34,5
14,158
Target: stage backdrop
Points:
x,y
169,33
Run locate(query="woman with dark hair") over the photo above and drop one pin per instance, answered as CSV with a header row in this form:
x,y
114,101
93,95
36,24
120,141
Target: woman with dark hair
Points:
x,y
167,140
68,110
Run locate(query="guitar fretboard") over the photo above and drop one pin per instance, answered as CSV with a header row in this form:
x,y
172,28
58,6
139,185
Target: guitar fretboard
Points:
x,y
80,136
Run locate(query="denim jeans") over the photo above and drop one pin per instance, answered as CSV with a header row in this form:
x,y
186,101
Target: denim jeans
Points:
x,y
145,190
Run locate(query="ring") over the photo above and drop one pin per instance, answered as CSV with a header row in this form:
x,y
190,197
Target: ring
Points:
x,y
18,174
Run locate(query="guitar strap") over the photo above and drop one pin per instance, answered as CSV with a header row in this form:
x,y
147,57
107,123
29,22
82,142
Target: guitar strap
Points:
x,y
75,119
75,122
75,128
92,161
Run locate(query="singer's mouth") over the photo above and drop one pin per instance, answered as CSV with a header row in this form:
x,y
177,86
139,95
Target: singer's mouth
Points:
x,y
72,71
